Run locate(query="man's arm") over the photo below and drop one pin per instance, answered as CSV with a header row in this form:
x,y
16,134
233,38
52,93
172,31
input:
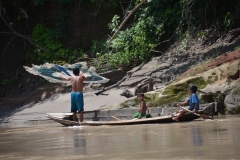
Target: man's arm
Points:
x,y
66,79
82,75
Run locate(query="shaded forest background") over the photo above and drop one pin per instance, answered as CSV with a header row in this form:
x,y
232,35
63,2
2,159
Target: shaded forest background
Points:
x,y
39,31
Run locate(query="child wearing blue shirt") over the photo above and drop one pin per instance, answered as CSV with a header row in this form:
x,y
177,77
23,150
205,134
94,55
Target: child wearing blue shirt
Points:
x,y
193,103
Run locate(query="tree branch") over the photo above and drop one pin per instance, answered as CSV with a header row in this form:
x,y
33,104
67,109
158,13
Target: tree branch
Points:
x,y
125,20
29,39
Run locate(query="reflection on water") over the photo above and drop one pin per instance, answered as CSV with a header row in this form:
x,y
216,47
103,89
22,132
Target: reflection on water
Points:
x,y
196,135
79,142
218,139
196,139
144,140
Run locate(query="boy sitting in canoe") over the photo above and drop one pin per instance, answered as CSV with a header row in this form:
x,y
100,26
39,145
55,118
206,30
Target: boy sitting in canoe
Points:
x,y
142,107
193,103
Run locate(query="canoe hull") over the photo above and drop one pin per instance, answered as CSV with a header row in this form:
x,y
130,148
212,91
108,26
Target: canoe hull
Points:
x,y
105,117
161,119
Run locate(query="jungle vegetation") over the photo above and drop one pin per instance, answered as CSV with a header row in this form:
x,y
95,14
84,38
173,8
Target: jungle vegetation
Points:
x,y
149,30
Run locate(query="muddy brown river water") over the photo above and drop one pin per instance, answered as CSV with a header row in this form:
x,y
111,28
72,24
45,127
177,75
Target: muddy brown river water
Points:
x,y
218,139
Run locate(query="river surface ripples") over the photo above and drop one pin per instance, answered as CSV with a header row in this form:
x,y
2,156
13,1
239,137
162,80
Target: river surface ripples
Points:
x,y
213,139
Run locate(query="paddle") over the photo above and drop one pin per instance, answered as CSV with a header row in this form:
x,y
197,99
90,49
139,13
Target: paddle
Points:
x,y
200,115
116,118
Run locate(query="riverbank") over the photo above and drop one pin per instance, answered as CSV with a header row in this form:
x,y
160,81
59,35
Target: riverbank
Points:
x,y
61,103
30,91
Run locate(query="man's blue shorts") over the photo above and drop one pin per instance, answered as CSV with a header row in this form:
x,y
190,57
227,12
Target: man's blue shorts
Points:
x,y
77,102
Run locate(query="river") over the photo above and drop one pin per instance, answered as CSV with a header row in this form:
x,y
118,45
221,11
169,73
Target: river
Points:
x,y
217,139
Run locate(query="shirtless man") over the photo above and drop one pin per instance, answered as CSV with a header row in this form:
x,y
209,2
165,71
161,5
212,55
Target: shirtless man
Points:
x,y
142,107
76,94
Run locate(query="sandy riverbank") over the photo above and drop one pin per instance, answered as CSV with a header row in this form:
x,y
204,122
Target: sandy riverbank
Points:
x,y
61,103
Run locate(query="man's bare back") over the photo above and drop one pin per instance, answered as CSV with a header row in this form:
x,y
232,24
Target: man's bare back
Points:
x,y
77,83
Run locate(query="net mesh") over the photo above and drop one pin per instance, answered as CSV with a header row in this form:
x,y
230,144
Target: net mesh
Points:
x,y
51,72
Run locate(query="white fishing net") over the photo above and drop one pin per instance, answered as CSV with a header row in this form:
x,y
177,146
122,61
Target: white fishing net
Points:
x,y
52,73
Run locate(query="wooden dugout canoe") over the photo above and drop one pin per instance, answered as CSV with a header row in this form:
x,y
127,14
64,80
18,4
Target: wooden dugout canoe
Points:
x,y
63,118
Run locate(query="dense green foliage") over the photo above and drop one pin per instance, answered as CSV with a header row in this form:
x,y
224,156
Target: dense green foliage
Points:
x,y
49,48
148,27
135,42
166,18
